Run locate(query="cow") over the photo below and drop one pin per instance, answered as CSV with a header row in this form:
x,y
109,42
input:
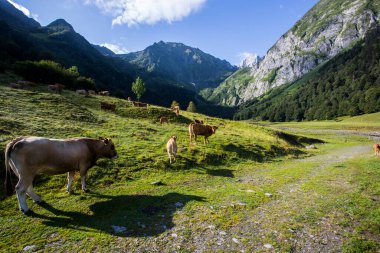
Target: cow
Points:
x,y
376,148
176,110
82,92
57,88
164,120
107,106
139,104
15,85
129,98
171,147
29,156
91,92
196,129
104,93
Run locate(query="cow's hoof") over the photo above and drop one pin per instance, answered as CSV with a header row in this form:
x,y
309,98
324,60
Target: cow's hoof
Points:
x,y
86,190
69,192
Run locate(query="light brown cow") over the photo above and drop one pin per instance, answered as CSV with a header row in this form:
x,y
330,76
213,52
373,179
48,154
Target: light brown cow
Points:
x,y
29,156
104,93
171,147
164,120
107,106
376,148
196,129
57,88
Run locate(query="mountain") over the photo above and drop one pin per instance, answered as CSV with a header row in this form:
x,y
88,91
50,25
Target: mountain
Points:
x,y
104,50
251,61
182,64
348,84
19,21
326,30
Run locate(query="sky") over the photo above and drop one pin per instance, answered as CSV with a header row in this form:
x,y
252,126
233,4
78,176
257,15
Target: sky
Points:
x,y
227,29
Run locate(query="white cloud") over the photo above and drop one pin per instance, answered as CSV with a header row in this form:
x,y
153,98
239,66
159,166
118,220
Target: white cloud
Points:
x,y
24,10
116,48
134,12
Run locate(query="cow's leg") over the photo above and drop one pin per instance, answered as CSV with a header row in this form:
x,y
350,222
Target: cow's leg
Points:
x,y
33,195
21,188
83,180
70,178
170,157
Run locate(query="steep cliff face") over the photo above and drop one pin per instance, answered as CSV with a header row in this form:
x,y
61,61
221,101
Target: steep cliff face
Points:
x,y
328,28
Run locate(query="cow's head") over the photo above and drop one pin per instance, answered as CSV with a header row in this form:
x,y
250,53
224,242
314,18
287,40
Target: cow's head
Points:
x,y
108,149
213,128
174,137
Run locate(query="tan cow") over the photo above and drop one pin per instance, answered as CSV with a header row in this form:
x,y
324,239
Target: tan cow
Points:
x,y
29,156
376,148
196,129
164,120
139,104
171,147
107,106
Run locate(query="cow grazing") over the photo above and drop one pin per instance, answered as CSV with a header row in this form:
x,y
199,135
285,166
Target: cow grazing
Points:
x,y
57,88
376,148
104,93
171,147
164,120
29,156
82,92
139,104
107,106
196,129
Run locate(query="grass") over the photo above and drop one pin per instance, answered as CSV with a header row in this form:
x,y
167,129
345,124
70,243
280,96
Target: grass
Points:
x,y
250,186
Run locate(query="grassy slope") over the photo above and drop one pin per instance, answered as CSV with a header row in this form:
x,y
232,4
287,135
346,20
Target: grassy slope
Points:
x,y
211,199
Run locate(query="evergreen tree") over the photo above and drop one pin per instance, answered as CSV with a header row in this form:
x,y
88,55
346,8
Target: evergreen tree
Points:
x,y
191,107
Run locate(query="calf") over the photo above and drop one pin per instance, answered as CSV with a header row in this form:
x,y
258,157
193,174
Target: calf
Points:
x,y
164,120
196,129
107,106
171,147
29,156
376,148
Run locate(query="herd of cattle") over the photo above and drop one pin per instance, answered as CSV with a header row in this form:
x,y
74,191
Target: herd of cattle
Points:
x,y
29,156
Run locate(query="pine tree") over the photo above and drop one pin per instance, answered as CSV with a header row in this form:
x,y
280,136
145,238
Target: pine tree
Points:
x,y
191,107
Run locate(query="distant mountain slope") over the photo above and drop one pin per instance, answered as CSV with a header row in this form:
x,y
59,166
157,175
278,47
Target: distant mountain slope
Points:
x,y
11,15
349,84
327,29
182,64
104,50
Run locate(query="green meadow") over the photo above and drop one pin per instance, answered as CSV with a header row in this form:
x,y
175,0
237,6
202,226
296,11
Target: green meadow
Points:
x,y
253,188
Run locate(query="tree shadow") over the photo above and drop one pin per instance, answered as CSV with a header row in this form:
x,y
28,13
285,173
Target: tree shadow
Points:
x,y
253,152
220,173
141,215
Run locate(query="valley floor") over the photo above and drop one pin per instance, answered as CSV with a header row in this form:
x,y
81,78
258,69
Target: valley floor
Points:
x,y
325,203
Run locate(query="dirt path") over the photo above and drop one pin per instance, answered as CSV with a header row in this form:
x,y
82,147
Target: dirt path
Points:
x,y
294,199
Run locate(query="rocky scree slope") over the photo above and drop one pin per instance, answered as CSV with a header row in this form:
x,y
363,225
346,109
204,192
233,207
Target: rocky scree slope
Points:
x,y
327,29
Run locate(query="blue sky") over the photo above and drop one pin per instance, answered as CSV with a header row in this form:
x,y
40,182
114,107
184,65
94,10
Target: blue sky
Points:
x,y
224,28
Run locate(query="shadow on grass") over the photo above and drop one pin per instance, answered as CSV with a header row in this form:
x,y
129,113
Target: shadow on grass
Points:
x,y
141,215
297,140
220,173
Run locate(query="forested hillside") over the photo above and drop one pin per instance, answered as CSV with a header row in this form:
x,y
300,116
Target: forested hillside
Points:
x,y
349,84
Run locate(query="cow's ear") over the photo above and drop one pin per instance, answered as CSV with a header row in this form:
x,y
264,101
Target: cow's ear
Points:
x,y
106,140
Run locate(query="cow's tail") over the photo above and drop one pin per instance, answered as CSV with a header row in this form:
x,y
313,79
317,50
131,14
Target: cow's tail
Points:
x,y
8,186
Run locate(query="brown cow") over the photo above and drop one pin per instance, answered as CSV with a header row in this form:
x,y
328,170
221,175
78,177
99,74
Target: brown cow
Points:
x,y
171,147
376,148
104,93
29,156
139,104
107,106
164,120
196,129
57,88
